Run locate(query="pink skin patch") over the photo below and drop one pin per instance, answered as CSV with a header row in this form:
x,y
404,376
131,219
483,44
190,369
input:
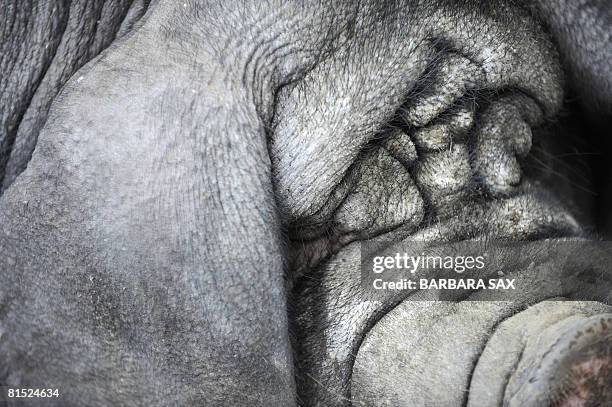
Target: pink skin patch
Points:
x,y
590,381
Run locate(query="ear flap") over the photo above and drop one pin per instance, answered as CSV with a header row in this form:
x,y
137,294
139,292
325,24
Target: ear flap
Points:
x,y
583,32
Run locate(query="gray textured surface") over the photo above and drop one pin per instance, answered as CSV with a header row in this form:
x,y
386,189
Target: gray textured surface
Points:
x,y
218,156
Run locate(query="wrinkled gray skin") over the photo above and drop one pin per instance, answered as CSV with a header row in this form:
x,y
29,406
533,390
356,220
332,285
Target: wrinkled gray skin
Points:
x,y
187,229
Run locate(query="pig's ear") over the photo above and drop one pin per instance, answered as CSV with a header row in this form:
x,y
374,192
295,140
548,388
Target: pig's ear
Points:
x,y
582,30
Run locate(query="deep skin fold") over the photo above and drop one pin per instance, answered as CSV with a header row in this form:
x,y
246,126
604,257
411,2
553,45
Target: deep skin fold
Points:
x,y
43,45
64,187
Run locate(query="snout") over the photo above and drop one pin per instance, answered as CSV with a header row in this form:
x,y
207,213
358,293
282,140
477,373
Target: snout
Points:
x,y
569,364
552,354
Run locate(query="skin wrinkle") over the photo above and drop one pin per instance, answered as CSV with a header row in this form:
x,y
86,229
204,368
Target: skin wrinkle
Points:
x,y
504,137
335,236
494,331
390,336
15,97
575,329
133,16
343,156
449,189
329,207
455,75
88,30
